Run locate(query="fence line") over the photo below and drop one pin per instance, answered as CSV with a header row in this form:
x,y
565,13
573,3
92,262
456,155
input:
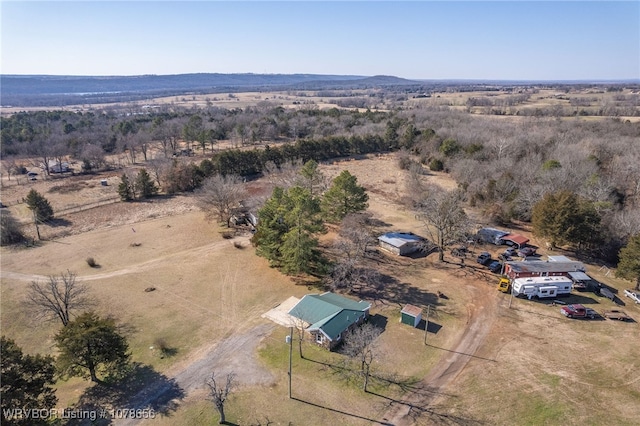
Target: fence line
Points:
x,y
83,207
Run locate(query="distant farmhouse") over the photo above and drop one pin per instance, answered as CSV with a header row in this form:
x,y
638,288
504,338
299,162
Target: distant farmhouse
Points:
x,y
328,316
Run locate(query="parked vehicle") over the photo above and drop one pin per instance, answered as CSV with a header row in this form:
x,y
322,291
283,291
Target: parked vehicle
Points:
x,y
633,294
509,252
578,311
495,266
526,251
614,314
605,292
484,258
541,287
504,285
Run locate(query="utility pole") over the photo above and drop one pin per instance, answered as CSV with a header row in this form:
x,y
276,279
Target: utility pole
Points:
x,y
426,324
511,299
290,354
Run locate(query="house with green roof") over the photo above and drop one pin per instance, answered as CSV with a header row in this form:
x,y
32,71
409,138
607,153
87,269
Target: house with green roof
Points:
x,y
327,316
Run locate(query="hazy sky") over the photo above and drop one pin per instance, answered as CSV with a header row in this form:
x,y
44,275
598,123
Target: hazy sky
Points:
x,y
417,39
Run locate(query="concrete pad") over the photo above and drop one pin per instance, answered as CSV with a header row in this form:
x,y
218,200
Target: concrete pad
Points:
x,y
280,314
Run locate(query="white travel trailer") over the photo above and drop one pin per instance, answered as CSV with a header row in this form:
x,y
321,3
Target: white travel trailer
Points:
x,y
541,287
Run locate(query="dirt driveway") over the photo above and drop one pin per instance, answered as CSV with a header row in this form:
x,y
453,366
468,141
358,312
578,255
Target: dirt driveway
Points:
x,y
480,317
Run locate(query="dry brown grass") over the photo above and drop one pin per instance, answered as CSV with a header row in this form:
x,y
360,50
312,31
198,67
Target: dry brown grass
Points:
x,y
534,367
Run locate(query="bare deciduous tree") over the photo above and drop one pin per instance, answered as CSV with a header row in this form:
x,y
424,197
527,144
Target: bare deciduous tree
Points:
x,y
58,297
219,392
221,196
285,175
443,216
357,236
360,344
349,274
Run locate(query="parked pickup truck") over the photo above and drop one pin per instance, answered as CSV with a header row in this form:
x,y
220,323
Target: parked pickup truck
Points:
x,y
578,311
617,315
634,294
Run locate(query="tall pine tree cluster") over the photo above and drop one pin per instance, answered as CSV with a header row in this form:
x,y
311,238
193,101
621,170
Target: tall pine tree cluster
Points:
x,y
291,219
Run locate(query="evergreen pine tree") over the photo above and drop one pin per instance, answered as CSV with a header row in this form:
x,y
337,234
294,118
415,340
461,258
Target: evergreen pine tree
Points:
x,y
144,185
629,265
299,246
39,205
345,196
126,189
27,383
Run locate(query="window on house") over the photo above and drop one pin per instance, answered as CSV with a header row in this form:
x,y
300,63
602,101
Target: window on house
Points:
x,y
319,338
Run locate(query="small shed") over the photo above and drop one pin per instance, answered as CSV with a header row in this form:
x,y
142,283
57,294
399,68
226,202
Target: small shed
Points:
x,y
411,315
400,243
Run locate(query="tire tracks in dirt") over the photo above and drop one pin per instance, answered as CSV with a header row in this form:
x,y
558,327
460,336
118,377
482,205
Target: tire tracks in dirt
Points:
x,y
140,267
234,353
481,315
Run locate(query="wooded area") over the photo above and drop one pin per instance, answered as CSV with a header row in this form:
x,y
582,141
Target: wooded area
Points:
x,y
504,166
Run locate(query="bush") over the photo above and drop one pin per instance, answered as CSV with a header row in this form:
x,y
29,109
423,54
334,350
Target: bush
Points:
x,y
92,262
436,165
10,229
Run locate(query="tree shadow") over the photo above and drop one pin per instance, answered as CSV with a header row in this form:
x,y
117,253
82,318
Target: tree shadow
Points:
x,y
142,389
379,321
393,291
58,222
461,353
418,407
341,412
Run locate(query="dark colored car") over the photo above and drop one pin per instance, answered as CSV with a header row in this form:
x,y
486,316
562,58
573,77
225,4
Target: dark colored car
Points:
x,y
495,266
526,251
509,252
484,258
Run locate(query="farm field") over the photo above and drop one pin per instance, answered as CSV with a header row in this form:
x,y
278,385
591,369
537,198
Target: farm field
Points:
x,y
486,364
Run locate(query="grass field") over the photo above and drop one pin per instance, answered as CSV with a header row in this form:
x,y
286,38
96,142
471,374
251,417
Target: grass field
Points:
x,y
533,366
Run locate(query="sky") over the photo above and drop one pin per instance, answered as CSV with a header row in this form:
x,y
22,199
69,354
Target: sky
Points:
x,y
500,40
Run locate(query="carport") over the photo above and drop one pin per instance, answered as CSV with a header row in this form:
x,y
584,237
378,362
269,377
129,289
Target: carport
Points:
x,y
518,240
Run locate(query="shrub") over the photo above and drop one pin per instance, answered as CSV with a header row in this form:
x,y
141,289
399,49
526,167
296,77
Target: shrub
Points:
x,y
91,262
449,147
10,229
436,165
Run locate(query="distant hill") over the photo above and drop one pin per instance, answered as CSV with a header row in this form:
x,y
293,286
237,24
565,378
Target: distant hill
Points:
x,y
26,90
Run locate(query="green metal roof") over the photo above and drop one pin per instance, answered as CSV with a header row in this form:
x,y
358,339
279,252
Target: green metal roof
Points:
x,y
329,312
336,324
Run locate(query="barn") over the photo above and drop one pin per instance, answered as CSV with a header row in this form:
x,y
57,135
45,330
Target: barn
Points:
x,y
400,243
